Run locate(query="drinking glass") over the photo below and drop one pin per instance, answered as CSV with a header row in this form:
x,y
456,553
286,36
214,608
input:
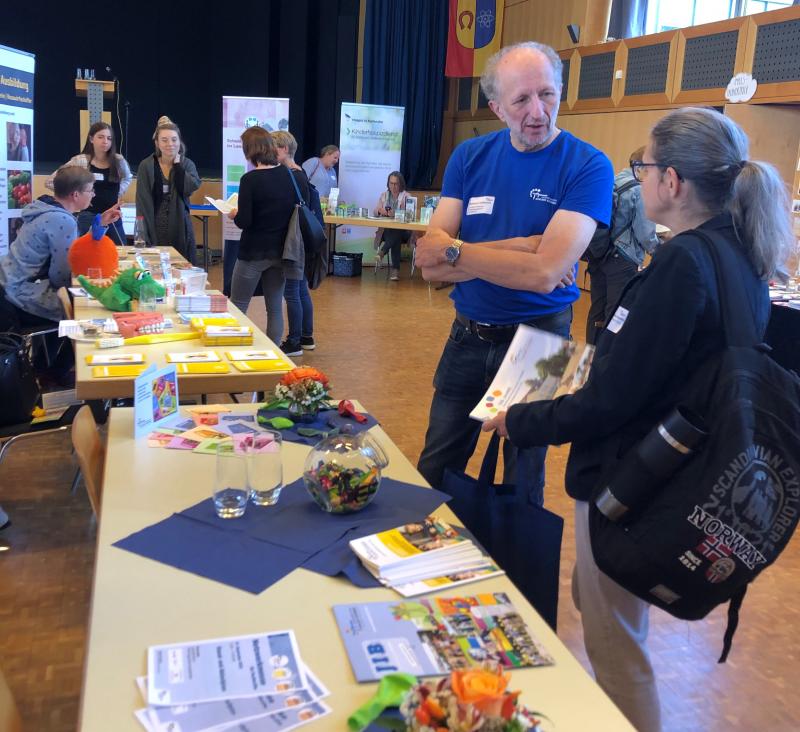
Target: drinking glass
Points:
x,y
264,467
231,489
147,297
94,273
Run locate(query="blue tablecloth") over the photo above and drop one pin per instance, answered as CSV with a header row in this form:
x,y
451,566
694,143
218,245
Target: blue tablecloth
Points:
x,y
326,420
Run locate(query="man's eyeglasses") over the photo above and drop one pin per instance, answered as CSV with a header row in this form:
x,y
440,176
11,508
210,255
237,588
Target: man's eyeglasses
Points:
x,y
639,169
87,192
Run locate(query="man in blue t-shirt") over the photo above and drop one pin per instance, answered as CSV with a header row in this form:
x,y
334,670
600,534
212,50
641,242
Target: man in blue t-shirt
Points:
x,y
526,201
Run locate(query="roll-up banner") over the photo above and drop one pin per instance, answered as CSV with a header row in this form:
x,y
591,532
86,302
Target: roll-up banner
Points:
x,y
16,140
239,113
370,140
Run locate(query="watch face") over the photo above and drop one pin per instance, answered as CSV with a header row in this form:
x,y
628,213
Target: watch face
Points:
x,y
452,254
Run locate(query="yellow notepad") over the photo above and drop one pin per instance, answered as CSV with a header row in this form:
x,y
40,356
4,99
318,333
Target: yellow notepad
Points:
x,y
193,357
228,340
106,372
264,365
161,338
202,368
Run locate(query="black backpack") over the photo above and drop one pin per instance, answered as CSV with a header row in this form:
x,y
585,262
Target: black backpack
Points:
x,y
731,507
601,242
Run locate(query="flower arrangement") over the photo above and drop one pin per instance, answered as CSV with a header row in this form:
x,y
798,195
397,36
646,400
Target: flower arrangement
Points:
x,y
467,701
304,389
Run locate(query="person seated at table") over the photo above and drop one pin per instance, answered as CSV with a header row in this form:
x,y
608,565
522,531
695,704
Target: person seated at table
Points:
x,y
267,198
16,148
165,180
36,264
112,176
320,171
391,240
299,308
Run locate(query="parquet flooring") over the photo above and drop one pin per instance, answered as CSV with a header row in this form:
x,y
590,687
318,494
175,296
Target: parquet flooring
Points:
x,y
378,341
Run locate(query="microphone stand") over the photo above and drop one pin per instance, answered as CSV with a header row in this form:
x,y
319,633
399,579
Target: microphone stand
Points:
x,y
127,115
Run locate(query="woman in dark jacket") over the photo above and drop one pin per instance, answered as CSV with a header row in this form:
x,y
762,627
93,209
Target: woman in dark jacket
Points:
x,y
695,175
267,199
164,182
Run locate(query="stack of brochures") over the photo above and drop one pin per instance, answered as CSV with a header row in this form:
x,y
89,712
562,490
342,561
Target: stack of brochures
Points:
x,y
224,683
424,556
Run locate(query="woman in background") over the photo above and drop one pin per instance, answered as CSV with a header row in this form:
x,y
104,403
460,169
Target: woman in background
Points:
x,y
267,199
165,180
112,176
642,363
320,171
299,308
16,149
391,240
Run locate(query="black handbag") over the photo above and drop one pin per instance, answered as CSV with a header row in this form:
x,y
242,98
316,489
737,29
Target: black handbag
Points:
x,y
524,539
19,391
314,240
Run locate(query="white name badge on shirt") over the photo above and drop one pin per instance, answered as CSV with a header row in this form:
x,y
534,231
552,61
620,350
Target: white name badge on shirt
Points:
x,y
165,188
480,205
98,176
618,320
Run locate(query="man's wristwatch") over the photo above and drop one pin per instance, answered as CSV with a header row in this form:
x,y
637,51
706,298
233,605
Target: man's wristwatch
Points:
x,y
453,252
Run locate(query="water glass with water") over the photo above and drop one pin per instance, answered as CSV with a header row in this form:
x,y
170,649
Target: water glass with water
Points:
x,y
231,489
264,468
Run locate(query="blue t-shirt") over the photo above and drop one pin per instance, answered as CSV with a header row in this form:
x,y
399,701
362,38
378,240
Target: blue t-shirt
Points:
x,y
528,188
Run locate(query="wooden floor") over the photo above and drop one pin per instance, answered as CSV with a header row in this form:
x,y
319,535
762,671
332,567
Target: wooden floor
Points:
x,y
379,341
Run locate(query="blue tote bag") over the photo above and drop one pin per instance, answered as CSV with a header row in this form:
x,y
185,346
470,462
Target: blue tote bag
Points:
x,y
524,539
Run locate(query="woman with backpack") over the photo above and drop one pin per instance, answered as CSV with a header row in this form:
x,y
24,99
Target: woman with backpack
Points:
x,y
698,181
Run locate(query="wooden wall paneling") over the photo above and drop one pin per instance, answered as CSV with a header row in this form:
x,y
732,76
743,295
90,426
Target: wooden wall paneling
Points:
x,y
616,133
711,95
626,100
569,58
595,104
783,91
465,129
546,21
774,132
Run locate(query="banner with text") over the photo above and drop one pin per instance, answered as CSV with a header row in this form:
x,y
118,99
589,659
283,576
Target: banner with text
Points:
x,y
239,113
370,140
16,140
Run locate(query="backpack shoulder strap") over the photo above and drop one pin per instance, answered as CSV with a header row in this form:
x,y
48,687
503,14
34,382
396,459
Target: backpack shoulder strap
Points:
x,y
737,330
734,606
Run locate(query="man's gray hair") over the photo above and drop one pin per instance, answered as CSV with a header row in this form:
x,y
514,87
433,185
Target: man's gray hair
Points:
x,y
489,76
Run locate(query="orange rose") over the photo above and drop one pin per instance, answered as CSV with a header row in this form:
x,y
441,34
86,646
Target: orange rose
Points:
x,y
304,372
485,690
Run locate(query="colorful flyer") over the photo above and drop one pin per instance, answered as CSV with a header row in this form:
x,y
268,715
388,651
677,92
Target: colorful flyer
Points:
x,y
224,668
155,399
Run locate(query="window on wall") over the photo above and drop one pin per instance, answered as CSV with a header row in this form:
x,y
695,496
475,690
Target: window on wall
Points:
x,y
664,15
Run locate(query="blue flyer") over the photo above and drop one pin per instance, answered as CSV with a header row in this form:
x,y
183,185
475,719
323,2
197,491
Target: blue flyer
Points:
x,y
224,668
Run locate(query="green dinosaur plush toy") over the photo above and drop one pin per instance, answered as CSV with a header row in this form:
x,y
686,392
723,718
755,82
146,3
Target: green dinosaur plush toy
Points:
x,y
124,289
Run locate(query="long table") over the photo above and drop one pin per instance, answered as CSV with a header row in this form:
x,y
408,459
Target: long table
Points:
x,y
234,381
137,602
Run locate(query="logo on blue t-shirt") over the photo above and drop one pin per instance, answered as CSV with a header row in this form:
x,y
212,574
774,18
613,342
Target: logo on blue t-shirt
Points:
x,y
537,195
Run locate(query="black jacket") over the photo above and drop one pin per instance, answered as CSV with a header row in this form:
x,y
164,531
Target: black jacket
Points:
x,y
672,326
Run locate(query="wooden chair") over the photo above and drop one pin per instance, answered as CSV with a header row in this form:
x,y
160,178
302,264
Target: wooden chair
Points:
x,y
10,720
66,303
91,454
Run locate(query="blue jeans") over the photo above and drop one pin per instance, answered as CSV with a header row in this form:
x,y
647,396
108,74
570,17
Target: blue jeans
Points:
x,y
299,310
269,272
466,369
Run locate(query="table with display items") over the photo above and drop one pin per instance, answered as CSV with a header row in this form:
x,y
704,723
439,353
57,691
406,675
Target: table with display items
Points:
x,y
137,602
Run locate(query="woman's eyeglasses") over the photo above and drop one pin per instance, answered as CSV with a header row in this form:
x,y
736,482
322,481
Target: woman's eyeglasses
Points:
x,y
639,169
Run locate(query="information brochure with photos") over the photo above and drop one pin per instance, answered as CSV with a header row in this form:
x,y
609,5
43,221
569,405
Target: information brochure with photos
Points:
x,y
538,365
431,636
224,668
155,399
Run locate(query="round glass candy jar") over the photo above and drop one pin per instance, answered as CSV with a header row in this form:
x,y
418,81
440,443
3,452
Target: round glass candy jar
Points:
x,y
342,473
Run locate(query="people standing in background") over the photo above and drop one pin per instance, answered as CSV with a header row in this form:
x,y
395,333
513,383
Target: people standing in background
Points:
x,y
164,182
630,235
267,199
112,176
299,308
390,240
320,171
17,150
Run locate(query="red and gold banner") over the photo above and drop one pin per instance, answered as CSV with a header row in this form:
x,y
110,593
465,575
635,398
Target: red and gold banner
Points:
x,y
474,33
